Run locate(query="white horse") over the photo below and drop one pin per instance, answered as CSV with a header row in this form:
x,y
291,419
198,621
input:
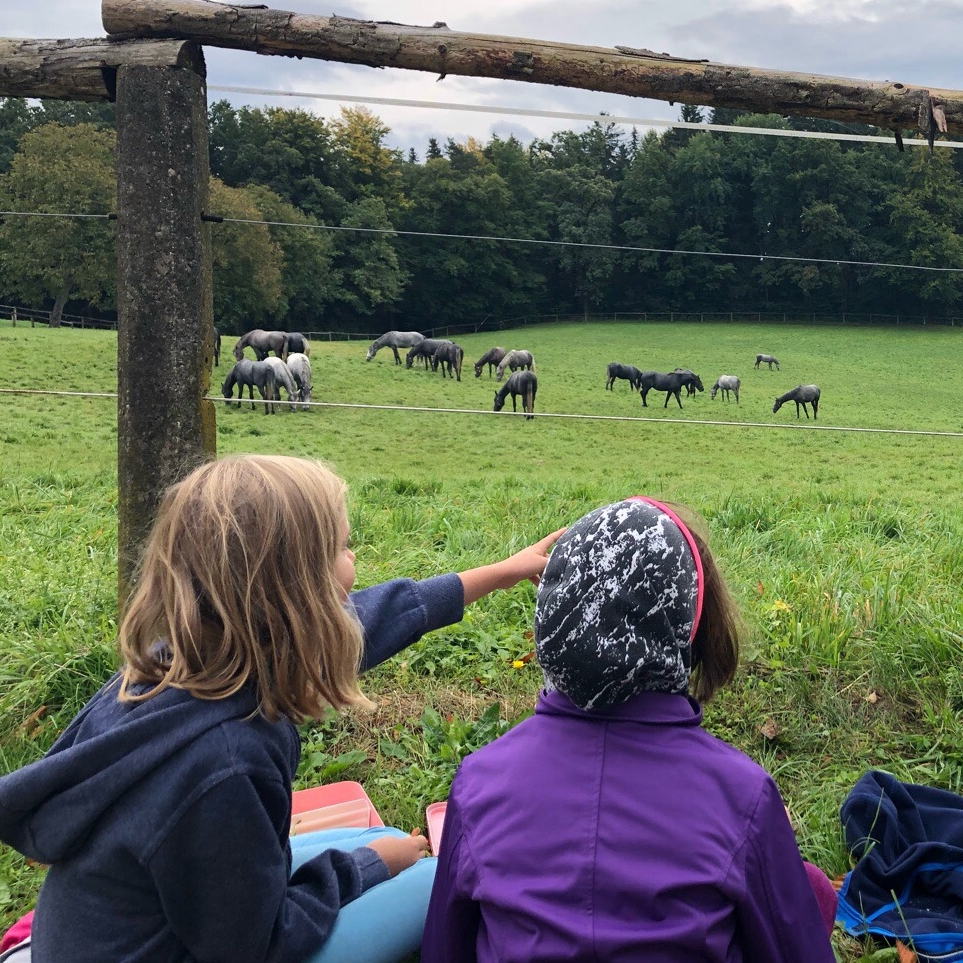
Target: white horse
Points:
x,y
725,384
300,367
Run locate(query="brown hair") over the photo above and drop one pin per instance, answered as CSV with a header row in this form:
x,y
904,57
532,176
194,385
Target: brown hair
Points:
x,y
715,648
237,585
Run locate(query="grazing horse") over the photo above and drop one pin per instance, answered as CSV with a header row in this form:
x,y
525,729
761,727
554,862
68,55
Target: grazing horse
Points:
x,y
691,388
513,361
627,371
395,340
802,395
252,374
425,349
522,383
283,378
725,384
671,383
491,357
262,343
766,359
298,343
217,348
448,355
300,368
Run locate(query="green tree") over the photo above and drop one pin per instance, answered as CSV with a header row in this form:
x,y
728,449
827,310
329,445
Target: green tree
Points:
x,y
248,263
367,168
289,151
60,170
927,214
368,265
309,281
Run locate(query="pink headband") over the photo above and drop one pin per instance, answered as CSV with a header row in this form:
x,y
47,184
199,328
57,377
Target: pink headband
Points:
x,y
700,575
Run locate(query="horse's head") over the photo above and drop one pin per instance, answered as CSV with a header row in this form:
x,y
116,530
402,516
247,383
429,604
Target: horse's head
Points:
x,y
713,391
697,382
478,370
238,351
371,353
776,406
227,388
499,403
410,358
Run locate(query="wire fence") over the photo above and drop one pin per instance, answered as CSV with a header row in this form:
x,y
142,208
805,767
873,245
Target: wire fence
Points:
x,y
20,315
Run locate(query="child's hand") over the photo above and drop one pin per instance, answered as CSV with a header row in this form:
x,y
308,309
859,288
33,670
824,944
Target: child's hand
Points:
x,y
529,564
400,853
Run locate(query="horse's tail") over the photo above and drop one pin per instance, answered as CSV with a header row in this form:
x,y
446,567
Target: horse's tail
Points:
x,y
532,368
284,348
459,358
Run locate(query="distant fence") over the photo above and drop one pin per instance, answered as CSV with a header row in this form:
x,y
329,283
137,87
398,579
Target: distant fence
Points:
x,y
19,315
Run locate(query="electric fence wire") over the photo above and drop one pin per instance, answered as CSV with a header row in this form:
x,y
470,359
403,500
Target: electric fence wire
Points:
x,y
520,414
629,248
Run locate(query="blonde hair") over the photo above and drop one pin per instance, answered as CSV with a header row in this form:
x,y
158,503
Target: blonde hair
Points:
x,y
237,586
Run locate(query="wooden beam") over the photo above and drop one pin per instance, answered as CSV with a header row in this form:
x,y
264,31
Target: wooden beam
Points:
x,y
623,70
82,69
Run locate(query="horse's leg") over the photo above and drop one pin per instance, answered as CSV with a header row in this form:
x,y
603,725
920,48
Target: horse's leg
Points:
x,y
815,407
644,392
397,356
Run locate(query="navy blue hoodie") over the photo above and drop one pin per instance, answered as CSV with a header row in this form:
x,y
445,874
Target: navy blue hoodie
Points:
x,y
166,823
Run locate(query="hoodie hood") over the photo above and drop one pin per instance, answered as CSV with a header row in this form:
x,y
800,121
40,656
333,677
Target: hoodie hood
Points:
x,y
49,807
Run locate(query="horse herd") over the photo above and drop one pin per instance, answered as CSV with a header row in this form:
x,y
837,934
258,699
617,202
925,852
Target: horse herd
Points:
x,y
673,382
290,368
446,356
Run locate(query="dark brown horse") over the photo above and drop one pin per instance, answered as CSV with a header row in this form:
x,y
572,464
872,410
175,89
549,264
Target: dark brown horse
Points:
x,y
492,357
448,356
627,371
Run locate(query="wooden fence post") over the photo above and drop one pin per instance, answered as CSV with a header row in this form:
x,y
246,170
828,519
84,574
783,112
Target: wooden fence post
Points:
x,y
13,318
164,300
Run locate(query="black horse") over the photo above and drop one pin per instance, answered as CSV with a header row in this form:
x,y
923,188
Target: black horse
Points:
x,y
492,357
448,356
691,388
802,395
425,350
522,383
627,371
251,374
671,383
297,344
766,359
217,348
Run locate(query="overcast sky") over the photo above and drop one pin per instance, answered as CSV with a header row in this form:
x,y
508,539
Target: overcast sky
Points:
x,y
911,42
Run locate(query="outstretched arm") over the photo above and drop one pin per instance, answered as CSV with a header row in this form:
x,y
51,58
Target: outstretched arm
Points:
x,y
529,564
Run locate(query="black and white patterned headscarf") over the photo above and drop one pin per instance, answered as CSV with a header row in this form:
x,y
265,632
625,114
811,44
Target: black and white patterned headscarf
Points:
x,y
618,605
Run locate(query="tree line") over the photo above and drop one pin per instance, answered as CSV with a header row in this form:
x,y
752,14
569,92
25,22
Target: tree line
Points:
x,y
329,228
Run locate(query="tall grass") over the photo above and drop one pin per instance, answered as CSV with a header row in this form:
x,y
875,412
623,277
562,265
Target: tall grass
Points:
x,y
845,551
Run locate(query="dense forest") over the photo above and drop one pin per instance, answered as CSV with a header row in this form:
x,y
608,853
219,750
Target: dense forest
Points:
x,y
602,220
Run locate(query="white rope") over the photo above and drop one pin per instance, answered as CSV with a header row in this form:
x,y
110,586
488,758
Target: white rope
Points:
x,y
572,115
520,414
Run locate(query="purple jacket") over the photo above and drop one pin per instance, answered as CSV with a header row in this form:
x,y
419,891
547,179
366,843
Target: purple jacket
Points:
x,y
629,834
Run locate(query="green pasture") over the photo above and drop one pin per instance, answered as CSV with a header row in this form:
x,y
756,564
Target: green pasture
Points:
x,y
844,547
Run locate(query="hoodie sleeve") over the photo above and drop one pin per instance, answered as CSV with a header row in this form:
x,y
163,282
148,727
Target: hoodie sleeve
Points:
x,y
397,613
222,874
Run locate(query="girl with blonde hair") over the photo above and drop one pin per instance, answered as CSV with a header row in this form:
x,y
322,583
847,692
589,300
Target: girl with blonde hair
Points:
x,y
164,809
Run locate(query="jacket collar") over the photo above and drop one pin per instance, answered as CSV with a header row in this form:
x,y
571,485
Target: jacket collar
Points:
x,y
649,708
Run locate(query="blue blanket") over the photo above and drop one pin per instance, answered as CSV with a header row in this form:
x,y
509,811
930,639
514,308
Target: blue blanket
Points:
x,y
908,881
